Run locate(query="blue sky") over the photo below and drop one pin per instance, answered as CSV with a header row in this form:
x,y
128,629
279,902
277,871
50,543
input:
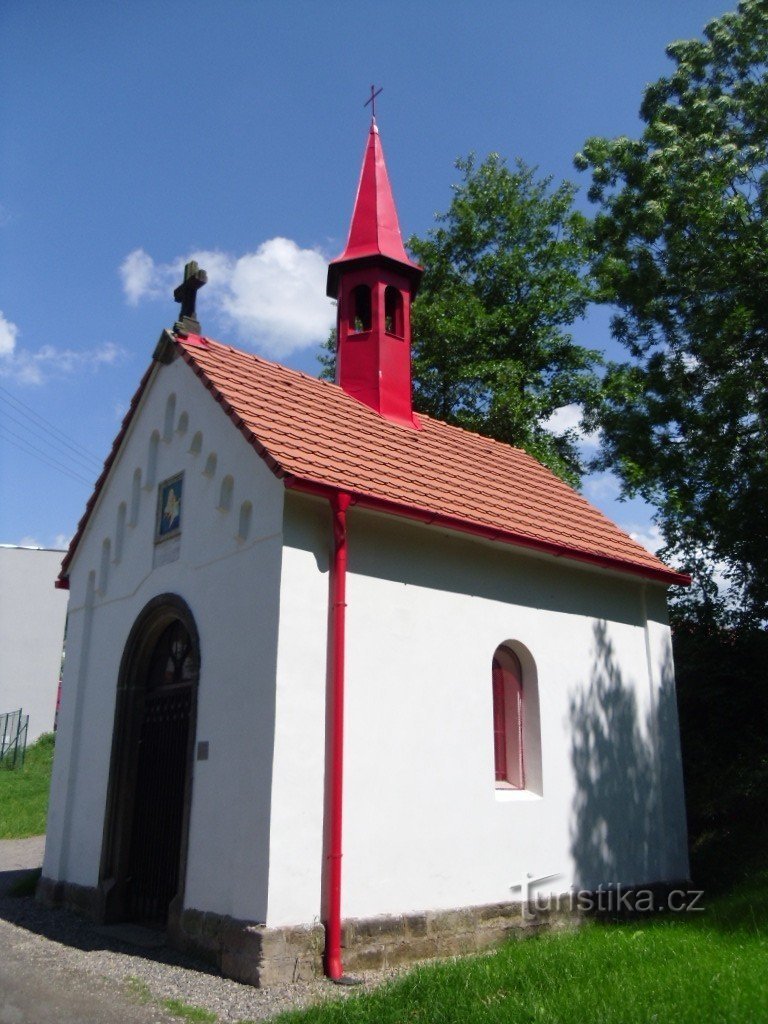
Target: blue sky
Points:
x,y
137,134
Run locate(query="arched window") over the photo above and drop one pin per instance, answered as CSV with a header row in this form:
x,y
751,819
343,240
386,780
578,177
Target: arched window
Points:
x,y
393,311
360,312
197,443
516,720
508,710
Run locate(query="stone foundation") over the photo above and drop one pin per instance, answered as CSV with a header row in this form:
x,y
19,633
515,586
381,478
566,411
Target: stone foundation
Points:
x,y
379,942
256,955
84,899
262,956
250,952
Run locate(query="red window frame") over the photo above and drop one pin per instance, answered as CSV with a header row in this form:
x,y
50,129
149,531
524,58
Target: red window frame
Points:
x,y
508,750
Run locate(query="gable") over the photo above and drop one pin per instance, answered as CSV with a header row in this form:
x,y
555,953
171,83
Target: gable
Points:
x,y
172,431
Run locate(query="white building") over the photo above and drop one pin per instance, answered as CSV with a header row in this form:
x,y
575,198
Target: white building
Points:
x,y
32,617
265,551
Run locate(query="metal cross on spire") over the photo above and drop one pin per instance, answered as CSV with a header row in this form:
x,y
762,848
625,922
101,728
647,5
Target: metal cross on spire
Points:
x,y
372,101
186,294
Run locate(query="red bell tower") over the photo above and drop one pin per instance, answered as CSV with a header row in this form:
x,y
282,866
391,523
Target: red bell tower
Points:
x,y
374,282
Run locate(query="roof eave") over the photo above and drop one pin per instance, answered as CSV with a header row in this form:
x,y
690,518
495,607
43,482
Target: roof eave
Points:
x,y
422,515
363,259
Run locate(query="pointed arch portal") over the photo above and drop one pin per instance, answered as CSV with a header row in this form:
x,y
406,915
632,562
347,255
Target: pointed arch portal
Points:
x,y
144,856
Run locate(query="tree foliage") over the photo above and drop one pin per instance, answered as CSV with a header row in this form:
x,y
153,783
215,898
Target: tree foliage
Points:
x,y
681,248
721,692
504,279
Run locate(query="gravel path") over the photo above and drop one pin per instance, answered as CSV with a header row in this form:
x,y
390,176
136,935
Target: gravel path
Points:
x,y
55,959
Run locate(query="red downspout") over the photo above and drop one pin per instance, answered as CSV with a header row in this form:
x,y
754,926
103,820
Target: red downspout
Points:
x,y
340,502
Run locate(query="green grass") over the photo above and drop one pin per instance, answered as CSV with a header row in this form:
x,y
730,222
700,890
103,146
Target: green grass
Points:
x,y
680,968
139,989
186,1012
142,993
24,792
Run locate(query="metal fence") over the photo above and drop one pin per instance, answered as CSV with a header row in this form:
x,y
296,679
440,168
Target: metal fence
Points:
x,y
13,739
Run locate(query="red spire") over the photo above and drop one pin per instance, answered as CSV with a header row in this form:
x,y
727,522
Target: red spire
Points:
x,y
375,230
374,283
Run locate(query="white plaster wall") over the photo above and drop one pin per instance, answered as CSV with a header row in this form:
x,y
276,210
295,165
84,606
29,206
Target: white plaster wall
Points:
x,y
424,826
667,736
298,780
32,618
231,586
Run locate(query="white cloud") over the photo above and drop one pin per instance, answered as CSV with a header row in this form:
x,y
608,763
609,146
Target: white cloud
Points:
x,y
60,541
649,535
35,367
273,298
278,293
137,271
8,334
601,488
568,417
26,366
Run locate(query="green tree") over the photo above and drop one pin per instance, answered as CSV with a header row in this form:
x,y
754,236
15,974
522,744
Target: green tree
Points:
x,y
681,248
504,279
720,670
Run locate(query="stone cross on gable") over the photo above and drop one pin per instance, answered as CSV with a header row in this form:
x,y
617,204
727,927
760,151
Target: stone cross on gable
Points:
x,y
186,294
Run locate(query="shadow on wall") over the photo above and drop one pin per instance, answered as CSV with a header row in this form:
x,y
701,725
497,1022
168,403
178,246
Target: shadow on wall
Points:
x,y
626,826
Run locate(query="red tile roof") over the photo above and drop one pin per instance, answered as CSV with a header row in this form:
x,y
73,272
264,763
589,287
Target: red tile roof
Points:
x,y
317,438
313,432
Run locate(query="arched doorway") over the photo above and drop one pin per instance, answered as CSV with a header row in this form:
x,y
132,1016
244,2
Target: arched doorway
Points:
x,y
150,783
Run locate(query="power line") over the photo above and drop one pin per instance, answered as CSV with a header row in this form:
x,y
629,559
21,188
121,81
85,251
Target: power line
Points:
x,y
79,460
29,449
7,396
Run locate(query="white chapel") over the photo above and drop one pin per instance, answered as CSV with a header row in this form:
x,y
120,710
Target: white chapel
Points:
x,y
342,679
